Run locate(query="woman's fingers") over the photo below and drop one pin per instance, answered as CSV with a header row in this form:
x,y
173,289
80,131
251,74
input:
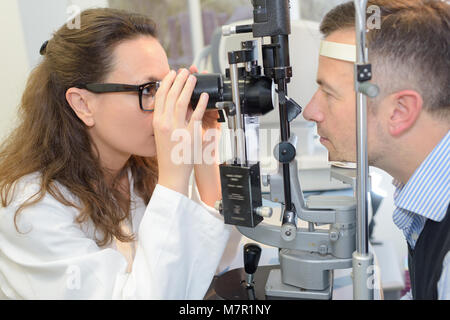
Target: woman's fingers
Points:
x,y
173,99
189,113
184,100
174,93
161,94
193,69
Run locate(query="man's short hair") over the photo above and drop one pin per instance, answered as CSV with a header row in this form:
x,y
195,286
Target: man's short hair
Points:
x,y
410,50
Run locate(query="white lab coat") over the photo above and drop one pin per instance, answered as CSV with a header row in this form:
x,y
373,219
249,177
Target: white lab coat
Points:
x,y
180,243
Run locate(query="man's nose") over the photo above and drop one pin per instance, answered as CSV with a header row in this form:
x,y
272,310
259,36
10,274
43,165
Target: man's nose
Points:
x,y
312,111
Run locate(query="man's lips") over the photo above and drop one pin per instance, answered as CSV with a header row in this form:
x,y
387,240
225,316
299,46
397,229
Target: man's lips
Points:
x,y
322,138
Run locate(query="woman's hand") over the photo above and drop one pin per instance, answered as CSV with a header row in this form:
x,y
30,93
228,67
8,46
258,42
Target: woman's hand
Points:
x,y
209,120
207,174
172,121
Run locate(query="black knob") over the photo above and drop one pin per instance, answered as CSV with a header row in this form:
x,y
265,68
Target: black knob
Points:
x,y
252,253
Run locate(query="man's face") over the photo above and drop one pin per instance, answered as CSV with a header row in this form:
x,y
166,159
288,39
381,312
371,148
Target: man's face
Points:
x,y
333,106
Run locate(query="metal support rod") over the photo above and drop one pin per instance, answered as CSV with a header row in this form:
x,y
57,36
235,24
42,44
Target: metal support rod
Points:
x,y
362,177
239,131
361,134
362,258
284,132
196,24
232,127
281,60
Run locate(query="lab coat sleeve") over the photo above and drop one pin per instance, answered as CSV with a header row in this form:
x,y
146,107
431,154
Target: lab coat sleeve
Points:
x,y
234,242
179,247
186,242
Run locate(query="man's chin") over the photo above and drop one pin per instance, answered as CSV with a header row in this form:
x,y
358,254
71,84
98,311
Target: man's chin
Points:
x,y
337,157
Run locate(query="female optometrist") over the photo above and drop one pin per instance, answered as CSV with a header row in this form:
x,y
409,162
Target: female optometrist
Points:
x,y
87,209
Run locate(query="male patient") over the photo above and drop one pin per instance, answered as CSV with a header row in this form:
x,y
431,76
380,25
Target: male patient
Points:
x,y
408,123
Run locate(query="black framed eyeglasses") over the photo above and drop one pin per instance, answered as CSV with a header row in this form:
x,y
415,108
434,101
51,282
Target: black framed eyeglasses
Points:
x,y
146,91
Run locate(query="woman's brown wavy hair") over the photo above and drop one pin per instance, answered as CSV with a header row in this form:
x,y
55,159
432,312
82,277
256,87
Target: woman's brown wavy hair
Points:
x,y
51,140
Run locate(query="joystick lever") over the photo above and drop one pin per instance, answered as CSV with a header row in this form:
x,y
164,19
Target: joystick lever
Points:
x,y
252,253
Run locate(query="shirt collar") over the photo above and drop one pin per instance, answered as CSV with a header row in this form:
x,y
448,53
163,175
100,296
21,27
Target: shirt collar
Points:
x,y
427,192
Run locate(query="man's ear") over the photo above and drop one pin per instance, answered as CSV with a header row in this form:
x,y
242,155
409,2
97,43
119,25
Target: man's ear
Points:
x,y
79,102
406,108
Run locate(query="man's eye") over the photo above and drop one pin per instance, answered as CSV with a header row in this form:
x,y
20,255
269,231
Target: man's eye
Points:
x,y
326,93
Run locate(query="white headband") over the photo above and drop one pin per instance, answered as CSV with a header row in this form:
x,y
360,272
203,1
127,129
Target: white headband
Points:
x,y
340,51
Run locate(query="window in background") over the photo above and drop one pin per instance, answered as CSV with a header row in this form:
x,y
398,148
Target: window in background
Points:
x,y
172,19
315,10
